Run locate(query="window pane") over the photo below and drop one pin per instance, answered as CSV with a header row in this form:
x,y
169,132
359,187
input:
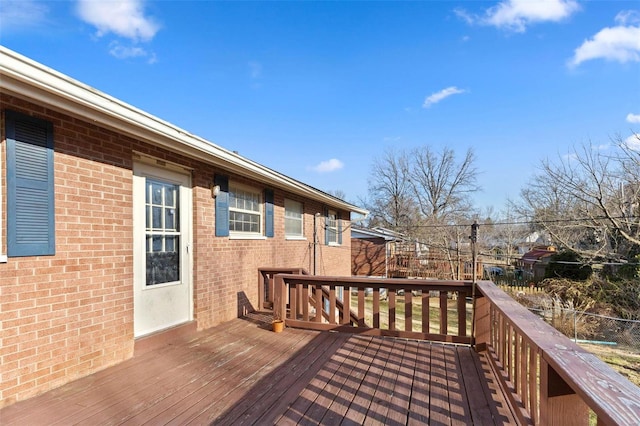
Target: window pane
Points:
x,y
170,219
170,243
244,211
293,226
156,193
157,243
169,196
293,218
157,217
332,227
163,267
162,215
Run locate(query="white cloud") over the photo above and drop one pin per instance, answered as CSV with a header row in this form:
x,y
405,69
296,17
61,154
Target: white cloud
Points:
x,y
22,14
620,43
633,142
439,96
628,17
328,166
633,118
465,16
517,15
124,18
124,52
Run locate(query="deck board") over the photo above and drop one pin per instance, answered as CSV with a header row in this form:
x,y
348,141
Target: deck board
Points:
x,y
242,373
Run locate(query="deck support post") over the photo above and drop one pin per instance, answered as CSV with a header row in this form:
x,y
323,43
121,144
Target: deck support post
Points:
x,y
559,404
279,298
482,319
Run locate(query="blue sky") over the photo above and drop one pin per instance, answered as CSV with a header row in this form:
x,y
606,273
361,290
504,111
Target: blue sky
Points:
x,y
318,89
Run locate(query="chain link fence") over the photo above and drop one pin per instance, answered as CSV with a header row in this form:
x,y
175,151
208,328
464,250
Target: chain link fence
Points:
x,y
585,327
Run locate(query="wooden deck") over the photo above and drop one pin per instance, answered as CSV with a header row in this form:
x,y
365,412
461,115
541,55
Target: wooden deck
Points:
x,y
243,373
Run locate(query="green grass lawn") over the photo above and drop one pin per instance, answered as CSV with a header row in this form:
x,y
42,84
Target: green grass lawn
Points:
x,y
434,314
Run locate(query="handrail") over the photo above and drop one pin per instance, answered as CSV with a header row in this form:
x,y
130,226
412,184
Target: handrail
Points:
x,y
265,283
549,378
326,294
265,288
314,304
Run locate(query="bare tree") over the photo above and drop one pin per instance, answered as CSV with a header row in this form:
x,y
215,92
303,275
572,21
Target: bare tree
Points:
x,y
424,194
441,184
501,242
392,204
338,193
588,201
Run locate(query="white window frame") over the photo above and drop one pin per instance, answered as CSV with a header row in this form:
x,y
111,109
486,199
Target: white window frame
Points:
x,y
299,207
235,187
3,255
332,224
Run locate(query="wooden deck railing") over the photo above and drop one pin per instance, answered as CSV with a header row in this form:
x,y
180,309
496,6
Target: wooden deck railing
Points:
x,y
548,378
265,283
314,302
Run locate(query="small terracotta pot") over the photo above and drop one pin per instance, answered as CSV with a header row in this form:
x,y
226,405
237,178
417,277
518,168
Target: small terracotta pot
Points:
x,y
278,326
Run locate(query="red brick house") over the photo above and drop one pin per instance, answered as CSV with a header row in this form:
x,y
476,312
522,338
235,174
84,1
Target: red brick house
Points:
x,y
371,251
534,262
117,226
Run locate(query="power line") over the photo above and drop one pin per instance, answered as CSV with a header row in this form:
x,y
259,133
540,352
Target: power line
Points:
x,y
523,222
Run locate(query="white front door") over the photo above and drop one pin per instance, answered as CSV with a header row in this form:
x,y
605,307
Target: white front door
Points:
x,y
161,257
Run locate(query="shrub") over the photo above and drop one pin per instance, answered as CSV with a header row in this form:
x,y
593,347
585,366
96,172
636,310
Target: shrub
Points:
x,y
567,264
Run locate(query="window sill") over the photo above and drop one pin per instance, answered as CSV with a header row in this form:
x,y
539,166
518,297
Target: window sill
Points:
x,y
334,245
3,258
246,237
293,238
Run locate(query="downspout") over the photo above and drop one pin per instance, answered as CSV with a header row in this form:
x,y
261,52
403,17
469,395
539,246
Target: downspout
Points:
x,y
386,258
315,243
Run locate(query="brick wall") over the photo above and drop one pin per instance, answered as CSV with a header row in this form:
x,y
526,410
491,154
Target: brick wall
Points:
x,y
368,257
65,316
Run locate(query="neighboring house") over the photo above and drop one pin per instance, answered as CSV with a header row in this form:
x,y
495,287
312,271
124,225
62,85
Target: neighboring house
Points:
x,y
117,227
533,263
371,251
531,241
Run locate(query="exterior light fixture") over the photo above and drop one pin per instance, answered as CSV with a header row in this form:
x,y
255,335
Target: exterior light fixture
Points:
x,y
215,190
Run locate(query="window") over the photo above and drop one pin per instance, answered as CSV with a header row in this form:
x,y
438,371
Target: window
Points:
x,y
30,190
3,257
239,210
162,232
245,210
293,223
332,228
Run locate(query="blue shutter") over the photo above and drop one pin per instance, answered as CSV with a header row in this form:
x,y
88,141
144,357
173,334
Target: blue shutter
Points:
x,y
30,186
326,226
339,228
222,206
268,212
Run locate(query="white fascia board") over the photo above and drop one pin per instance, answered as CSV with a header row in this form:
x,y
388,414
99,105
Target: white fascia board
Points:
x,y
23,77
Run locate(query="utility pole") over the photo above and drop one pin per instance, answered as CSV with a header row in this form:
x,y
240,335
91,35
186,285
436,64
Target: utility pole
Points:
x,y
474,257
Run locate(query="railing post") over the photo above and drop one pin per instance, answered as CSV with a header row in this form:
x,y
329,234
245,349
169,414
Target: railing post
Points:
x,y
559,404
279,298
261,295
482,323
